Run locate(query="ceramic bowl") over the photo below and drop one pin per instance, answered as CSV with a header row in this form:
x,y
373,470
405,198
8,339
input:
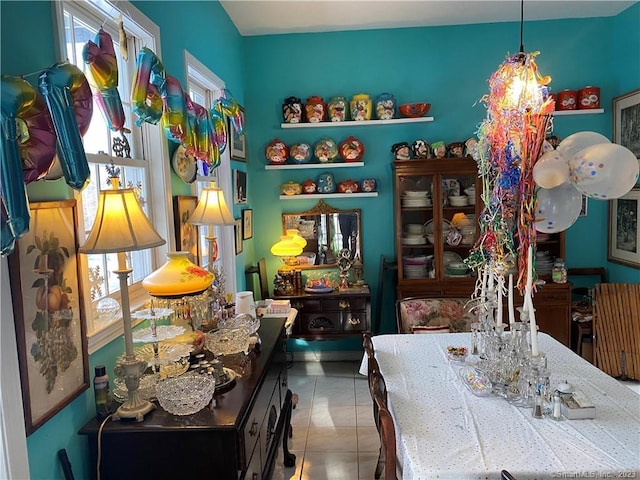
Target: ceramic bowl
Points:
x,y
457,268
414,110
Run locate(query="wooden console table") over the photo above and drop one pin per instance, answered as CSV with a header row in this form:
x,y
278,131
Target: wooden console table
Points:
x,y
335,315
235,437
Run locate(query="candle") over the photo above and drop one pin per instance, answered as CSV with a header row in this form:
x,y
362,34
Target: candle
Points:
x,y
532,326
483,291
529,269
499,311
510,300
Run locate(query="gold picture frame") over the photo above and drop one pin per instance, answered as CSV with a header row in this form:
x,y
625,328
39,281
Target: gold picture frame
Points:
x,y
187,235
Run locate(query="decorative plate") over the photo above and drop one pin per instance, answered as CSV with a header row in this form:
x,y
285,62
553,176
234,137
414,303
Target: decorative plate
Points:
x,y
184,165
163,332
318,290
156,313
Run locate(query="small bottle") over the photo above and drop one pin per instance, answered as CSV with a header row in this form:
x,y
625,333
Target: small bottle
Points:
x,y
556,413
101,391
559,272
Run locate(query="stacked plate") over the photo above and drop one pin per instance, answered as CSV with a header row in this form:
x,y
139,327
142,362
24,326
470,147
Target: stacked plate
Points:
x,y
416,266
459,200
416,198
414,239
544,263
471,193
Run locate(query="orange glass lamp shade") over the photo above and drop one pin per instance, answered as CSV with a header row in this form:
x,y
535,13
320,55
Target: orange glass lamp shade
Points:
x,y
294,235
177,277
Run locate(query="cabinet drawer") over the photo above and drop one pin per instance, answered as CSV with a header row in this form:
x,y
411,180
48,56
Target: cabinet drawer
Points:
x,y
354,321
307,305
256,416
268,430
321,323
347,303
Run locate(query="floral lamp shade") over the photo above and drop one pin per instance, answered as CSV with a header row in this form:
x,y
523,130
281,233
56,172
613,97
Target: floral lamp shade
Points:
x,y
177,277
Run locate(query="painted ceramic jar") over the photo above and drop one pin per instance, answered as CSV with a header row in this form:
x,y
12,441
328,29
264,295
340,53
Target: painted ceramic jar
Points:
x,y
326,150
420,149
291,188
361,106
348,186
326,183
300,153
567,100
401,151
439,149
292,110
368,185
277,152
471,148
351,149
309,186
314,109
588,98
456,149
385,106
337,108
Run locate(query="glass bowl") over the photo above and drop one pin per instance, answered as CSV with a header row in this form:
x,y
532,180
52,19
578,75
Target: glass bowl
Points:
x,y
186,394
242,320
227,341
456,354
476,381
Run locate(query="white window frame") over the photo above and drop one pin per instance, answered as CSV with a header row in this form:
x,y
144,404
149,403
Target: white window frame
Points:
x,y
155,148
197,72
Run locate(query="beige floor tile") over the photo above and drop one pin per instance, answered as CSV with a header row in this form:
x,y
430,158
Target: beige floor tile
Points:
x,y
298,441
334,397
306,368
368,439
333,416
330,466
363,395
332,439
301,415
367,465
364,416
280,472
335,383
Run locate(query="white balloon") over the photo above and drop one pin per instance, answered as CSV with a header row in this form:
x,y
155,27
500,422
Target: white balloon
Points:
x,y
557,208
579,141
605,171
551,170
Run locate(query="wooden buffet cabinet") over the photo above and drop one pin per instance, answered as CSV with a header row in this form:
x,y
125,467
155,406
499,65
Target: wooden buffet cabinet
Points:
x,y
234,437
440,177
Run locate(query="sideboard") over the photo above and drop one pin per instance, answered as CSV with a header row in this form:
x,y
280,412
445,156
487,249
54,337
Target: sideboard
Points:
x,y
235,437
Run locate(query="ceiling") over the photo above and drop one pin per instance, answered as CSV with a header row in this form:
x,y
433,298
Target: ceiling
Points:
x,y
263,17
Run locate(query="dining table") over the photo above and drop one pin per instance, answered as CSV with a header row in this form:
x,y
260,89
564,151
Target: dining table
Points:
x,y
445,431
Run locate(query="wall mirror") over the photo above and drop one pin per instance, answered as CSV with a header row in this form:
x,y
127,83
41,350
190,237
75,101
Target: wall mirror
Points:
x,y
327,230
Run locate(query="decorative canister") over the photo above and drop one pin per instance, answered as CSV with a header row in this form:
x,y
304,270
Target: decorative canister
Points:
x,y
315,109
351,149
337,108
368,185
290,188
420,149
277,152
588,97
292,110
456,149
326,150
401,151
309,186
326,183
300,153
439,149
348,186
361,106
385,106
178,276
567,100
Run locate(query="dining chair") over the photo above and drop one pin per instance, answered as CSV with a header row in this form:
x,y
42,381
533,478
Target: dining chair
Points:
x,y
263,281
367,344
387,459
504,475
432,315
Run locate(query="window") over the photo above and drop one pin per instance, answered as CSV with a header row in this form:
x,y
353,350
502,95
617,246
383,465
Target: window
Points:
x,y
146,170
204,87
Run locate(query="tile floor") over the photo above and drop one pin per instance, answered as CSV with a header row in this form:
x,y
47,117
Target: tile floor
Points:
x,y
334,436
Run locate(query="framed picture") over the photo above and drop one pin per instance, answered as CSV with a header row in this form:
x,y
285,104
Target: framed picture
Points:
x,y
626,118
237,228
237,143
624,236
240,190
186,234
247,224
48,312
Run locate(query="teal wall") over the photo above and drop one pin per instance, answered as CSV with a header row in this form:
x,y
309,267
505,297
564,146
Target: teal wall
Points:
x,y
446,66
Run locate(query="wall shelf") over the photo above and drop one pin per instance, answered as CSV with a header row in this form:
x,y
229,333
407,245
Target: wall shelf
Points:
x,y
352,123
591,111
303,166
328,195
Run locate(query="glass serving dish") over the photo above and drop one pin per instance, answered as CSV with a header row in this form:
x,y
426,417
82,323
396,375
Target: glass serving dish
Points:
x,y
186,394
146,387
476,381
456,354
242,320
227,341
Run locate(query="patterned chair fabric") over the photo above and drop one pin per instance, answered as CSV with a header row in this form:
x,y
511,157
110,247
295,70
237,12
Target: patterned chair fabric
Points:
x,y
433,315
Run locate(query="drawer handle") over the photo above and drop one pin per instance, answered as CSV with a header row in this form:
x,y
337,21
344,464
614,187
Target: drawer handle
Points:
x,y
254,429
344,304
298,305
354,321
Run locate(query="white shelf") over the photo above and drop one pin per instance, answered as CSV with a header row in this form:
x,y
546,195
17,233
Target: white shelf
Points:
x,y
361,123
303,166
328,195
592,111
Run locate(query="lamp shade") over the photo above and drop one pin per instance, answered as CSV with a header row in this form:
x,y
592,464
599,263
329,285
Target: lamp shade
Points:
x,y
177,277
286,247
294,235
212,209
120,225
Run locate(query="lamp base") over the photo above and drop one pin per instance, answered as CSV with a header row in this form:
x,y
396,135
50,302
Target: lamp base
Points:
x,y
131,369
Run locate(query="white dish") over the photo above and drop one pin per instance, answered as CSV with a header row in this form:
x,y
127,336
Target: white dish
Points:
x,y
414,240
416,193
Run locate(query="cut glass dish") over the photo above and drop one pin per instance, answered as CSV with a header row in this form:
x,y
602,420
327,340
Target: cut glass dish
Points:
x,y
186,394
242,320
227,341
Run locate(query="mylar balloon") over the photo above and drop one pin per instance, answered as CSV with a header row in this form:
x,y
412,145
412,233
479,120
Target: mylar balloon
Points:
x,y
557,208
55,84
579,141
174,116
100,57
551,170
146,101
604,171
219,130
230,107
6,233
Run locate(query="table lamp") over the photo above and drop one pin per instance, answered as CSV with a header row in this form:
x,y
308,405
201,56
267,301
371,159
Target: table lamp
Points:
x,y
294,235
211,210
121,226
287,249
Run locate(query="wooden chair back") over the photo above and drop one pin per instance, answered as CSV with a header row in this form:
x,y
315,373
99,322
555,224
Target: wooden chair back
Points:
x,y
386,429
504,475
263,281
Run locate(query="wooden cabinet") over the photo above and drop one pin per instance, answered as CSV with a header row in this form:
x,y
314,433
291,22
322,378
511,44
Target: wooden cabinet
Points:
x,y
236,436
332,315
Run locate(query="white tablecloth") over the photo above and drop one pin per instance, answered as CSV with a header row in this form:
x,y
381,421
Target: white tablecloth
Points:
x,y
444,431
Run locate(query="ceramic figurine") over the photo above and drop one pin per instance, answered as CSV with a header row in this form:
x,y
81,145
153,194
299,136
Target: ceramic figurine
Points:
x,y
439,149
471,148
348,186
292,110
368,185
314,109
326,150
420,149
456,149
361,107
291,188
277,152
326,183
401,151
385,106
300,153
337,108
351,149
309,186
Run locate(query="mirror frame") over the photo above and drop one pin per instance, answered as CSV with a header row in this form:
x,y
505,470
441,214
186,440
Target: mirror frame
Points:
x,y
322,208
